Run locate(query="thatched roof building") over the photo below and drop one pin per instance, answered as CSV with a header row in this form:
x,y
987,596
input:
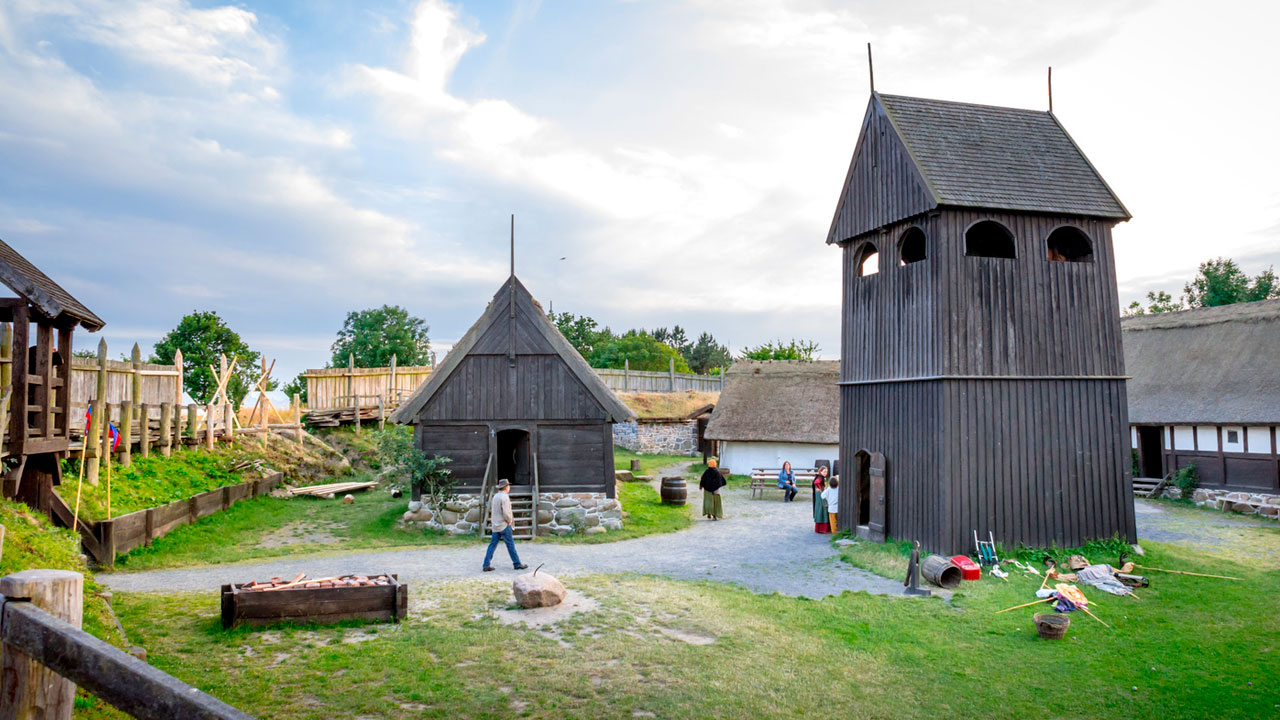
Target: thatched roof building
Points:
x,y
777,410
1205,389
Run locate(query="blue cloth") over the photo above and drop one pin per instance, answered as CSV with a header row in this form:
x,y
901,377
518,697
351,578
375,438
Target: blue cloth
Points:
x,y
506,536
786,478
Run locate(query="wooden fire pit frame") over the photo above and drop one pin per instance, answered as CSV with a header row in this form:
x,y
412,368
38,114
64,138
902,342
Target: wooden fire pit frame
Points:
x,y
314,605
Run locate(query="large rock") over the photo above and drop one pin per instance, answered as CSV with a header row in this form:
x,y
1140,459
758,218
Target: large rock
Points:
x,y
571,516
608,505
472,516
448,517
611,523
566,502
457,506
593,520
415,505
596,530
533,590
624,476
545,516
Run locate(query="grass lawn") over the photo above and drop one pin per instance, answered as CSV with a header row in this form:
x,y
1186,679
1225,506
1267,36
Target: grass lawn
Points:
x,y
1189,648
650,464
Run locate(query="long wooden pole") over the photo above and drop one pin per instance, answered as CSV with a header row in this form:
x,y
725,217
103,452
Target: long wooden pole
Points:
x,y
93,412
94,449
1184,572
1034,602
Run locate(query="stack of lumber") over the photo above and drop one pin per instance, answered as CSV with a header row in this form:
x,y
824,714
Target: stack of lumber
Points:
x,y
302,582
332,489
333,417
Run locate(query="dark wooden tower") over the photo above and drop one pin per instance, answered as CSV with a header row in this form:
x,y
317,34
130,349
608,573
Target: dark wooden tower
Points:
x,y
982,378
37,398
515,400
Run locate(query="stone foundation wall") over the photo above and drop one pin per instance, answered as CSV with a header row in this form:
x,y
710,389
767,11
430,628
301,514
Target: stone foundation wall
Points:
x,y
558,514
1264,504
658,438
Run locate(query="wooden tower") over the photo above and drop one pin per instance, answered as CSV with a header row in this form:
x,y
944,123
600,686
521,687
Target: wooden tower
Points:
x,y
37,395
982,379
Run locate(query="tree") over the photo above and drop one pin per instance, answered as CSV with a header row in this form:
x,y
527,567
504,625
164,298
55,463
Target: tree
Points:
x,y
675,337
297,386
581,331
428,477
373,336
1221,282
1157,302
640,350
794,350
707,355
202,337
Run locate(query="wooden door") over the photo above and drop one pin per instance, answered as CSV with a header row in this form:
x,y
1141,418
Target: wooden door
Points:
x,y
876,525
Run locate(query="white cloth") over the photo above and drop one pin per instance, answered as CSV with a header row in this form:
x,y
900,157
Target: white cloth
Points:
x,y
832,496
500,512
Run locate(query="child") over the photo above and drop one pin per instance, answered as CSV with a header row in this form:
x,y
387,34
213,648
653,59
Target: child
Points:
x,y
832,496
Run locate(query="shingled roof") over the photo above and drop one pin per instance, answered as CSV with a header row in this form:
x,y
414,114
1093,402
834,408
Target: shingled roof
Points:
x,y
779,401
36,288
983,156
1208,365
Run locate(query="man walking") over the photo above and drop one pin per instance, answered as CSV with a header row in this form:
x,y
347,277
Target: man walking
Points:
x,y
501,520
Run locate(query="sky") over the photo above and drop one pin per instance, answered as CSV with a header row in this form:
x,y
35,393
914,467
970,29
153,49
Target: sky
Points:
x,y
667,162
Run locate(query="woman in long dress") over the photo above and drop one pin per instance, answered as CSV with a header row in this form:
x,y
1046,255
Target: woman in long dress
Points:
x,y
711,483
821,524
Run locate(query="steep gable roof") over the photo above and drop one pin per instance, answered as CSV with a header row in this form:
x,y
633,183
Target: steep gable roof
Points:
x,y
779,401
545,337
968,155
36,288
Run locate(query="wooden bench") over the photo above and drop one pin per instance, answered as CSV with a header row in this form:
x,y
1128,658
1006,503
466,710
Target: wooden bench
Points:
x,y
767,479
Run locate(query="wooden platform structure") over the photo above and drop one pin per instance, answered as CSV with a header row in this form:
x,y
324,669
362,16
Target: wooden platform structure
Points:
x,y
982,381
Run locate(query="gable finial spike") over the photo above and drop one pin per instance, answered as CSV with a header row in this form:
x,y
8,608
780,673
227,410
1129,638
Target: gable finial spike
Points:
x,y
1050,88
513,244
871,71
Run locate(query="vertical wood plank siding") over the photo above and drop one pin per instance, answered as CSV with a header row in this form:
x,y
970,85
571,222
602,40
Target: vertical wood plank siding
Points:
x,y
993,385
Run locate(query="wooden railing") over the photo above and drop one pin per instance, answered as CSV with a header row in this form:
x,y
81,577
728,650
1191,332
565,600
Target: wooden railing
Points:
x,y
534,511
45,657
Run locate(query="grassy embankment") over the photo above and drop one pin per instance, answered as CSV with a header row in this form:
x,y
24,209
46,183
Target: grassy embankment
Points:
x,y
1190,648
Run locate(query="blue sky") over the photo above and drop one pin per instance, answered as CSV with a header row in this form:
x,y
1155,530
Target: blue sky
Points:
x,y
284,163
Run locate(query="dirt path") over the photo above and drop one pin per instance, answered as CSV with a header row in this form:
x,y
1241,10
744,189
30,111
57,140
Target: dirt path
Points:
x,y
765,545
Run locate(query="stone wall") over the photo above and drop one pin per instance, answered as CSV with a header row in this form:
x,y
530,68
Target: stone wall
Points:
x,y
1264,504
658,438
558,514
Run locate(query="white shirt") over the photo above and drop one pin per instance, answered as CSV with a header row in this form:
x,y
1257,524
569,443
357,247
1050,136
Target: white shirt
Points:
x,y
500,511
832,496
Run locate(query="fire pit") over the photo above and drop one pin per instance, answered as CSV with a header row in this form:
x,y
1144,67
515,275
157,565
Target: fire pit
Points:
x,y
315,600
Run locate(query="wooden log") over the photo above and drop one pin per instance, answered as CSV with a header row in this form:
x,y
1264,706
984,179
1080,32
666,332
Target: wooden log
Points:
x,y
191,421
178,386
135,388
32,690
126,433
208,425
144,430
166,428
93,450
355,399
229,422
297,416
382,413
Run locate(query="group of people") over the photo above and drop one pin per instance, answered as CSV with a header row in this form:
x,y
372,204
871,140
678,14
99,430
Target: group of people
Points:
x,y
826,494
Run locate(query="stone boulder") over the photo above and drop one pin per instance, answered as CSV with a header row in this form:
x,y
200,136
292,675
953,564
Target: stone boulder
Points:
x,y
596,530
534,590
566,502
624,476
415,506
611,523
571,515
472,516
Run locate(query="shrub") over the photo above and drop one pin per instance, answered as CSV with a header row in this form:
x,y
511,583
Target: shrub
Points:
x,y
1187,479
428,476
1133,458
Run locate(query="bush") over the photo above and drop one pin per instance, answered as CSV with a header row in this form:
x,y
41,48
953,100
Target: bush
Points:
x,y
1137,469
1187,479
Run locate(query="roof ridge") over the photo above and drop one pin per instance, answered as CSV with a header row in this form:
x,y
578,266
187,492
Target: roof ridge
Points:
x,y
967,104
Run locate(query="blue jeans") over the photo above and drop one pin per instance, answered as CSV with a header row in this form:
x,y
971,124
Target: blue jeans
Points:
x,y
507,537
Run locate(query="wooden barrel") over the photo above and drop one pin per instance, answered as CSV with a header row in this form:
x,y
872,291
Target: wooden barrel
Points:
x,y
674,491
940,571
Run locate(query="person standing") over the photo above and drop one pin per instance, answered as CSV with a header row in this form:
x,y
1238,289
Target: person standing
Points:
x,y
787,481
711,483
502,523
821,523
832,496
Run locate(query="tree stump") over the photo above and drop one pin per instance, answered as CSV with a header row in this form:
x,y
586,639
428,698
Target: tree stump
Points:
x,y
31,690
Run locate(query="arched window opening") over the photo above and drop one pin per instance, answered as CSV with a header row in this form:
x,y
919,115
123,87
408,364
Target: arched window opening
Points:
x,y
868,260
911,247
989,239
1069,244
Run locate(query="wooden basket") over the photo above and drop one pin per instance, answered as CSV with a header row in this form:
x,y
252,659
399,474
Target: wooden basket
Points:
x,y
1052,626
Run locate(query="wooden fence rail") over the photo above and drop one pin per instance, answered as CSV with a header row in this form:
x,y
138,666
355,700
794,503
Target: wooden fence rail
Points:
x,y
45,657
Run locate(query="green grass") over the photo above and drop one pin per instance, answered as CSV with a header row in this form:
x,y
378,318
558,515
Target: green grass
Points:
x,y
1190,648
649,464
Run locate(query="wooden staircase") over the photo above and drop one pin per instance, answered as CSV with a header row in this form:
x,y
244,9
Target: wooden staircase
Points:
x,y
1150,487
524,505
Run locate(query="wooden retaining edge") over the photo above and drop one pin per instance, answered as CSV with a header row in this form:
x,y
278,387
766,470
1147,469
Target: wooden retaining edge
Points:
x,y
104,539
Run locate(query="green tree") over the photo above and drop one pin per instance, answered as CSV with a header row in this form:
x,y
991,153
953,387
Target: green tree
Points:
x,y
1221,282
639,349
1157,302
202,337
707,355
373,336
794,350
428,477
297,386
581,331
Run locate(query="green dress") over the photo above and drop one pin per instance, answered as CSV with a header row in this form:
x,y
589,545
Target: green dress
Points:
x,y
820,519
711,483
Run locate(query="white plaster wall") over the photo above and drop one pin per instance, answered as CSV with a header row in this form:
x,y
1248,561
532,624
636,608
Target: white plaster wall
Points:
x,y
1133,437
1227,445
1259,440
1168,443
740,457
1182,438
1207,437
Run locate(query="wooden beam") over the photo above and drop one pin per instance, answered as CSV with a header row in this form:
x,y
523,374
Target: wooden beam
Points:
x,y
32,688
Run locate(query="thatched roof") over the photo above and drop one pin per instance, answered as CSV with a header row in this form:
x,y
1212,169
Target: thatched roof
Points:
x,y
1208,365
779,401
669,407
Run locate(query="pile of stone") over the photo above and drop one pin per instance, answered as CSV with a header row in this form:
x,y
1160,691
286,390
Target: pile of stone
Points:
x,y
1264,504
558,514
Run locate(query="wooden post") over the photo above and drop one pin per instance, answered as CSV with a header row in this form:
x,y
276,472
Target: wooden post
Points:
x,y
144,429
229,419
382,416
191,422
222,373
671,368
6,374
30,689
135,358
626,374
93,451
208,424
351,388
104,429
297,417
166,429
126,433
179,383
721,378
392,395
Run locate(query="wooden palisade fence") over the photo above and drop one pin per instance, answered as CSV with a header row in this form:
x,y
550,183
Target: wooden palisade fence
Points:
x,y
334,388
628,380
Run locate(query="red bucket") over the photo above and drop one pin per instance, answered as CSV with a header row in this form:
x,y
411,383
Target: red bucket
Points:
x,y
969,569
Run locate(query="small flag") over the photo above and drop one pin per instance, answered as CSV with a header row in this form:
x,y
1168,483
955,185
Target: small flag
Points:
x,y
112,430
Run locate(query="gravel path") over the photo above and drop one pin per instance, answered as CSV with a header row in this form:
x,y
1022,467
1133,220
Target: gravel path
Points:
x,y
764,545
1195,528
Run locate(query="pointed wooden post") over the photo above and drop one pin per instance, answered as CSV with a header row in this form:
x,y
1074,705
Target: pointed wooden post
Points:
x,y
222,373
135,358
126,433
180,385
191,423
144,430
671,368
229,420
382,413
104,429
297,417
166,429
351,388
626,374
92,435
393,390
30,689
208,424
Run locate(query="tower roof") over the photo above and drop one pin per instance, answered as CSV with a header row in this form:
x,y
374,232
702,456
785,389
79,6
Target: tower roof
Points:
x,y
38,289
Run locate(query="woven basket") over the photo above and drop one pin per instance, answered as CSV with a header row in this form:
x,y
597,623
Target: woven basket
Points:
x,y
1052,626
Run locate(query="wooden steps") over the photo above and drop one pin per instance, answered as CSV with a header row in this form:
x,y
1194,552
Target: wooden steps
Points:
x,y
1149,487
522,509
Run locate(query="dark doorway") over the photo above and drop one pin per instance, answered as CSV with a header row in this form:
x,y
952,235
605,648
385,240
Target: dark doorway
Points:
x,y
1151,451
872,494
513,457
862,462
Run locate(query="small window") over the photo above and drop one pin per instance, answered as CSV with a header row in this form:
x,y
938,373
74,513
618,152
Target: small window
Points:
x,y
868,260
1233,436
1069,244
911,246
989,239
